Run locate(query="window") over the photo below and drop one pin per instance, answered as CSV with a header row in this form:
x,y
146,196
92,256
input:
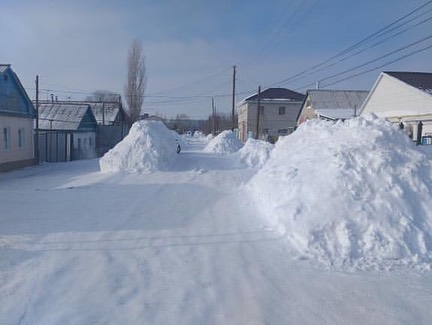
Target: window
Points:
x,y
6,138
282,110
21,138
261,110
90,142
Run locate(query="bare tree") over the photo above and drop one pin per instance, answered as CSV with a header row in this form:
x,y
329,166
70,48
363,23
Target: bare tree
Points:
x,y
103,95
136,80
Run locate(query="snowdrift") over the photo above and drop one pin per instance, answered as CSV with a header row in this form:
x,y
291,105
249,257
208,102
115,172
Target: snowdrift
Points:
x,y
223,143
254,153
354,194
149,146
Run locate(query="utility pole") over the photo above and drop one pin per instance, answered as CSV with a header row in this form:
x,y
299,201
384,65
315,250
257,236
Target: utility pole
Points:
x,y
258,111
233,99
213,117
103,113
37,121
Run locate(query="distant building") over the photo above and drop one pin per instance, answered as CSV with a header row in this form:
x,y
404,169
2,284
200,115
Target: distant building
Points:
x,y
331,104
404,98
16,122
67,132
278,112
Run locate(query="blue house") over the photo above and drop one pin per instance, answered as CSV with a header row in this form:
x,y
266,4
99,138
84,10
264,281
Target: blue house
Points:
x,y
17,116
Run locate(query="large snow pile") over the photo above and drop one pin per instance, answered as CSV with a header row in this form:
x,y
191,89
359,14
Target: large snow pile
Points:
x,y
254,153
354,194
149,146
223,143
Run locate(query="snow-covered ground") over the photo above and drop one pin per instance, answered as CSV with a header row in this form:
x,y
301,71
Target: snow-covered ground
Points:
x,y
200,241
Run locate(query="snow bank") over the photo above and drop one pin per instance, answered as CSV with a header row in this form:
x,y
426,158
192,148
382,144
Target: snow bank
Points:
x,y
353,194
149,146
254,153
223,143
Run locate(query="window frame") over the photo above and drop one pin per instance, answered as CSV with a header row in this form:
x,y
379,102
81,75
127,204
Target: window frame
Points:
x,y
6,143
21,138
282,110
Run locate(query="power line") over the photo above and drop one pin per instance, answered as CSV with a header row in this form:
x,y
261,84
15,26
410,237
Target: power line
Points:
x,y
353,47
368,47
381,66
377,59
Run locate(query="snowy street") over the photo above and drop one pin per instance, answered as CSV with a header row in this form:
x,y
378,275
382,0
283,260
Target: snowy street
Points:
x,y
184,246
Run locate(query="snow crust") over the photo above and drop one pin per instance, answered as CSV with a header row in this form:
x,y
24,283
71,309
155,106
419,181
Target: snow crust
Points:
x,y
224,143
354,194
254,153
148,147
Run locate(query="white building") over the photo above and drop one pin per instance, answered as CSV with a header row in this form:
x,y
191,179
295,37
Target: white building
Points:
x,y
278,112
403,97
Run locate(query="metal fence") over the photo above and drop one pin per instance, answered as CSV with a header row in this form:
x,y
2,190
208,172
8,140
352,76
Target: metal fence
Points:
x,y
55,146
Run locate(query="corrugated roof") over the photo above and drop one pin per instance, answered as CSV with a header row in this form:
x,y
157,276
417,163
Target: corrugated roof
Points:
x,y
105,112
278,93
61,116
337,99
419,80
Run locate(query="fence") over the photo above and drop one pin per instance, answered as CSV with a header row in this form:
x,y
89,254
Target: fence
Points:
x,y
108,136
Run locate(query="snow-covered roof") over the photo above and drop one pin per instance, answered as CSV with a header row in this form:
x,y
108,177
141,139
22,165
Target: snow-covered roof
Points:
x,y
419,80
335,113
337,99
105,113
61,116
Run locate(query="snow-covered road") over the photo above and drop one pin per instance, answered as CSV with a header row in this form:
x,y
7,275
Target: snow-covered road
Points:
x,y
181,247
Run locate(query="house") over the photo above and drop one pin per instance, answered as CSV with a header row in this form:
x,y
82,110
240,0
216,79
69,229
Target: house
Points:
x,y
404,98
16,122
113,123
278,112
66,132
109,113
331,104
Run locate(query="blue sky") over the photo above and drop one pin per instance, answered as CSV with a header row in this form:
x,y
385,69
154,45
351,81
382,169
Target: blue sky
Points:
x,y
80,46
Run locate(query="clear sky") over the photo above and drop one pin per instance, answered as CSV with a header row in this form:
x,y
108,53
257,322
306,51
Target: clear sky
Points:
x,y
77,47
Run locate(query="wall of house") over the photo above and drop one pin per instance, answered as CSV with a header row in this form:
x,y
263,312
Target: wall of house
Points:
x,y
15,152
243,122
84,145
393,98
271,123
307,113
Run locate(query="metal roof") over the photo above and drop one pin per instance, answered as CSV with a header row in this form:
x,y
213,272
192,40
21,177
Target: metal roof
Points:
x,y
277,94
61,116
336,99
419,80
105,113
